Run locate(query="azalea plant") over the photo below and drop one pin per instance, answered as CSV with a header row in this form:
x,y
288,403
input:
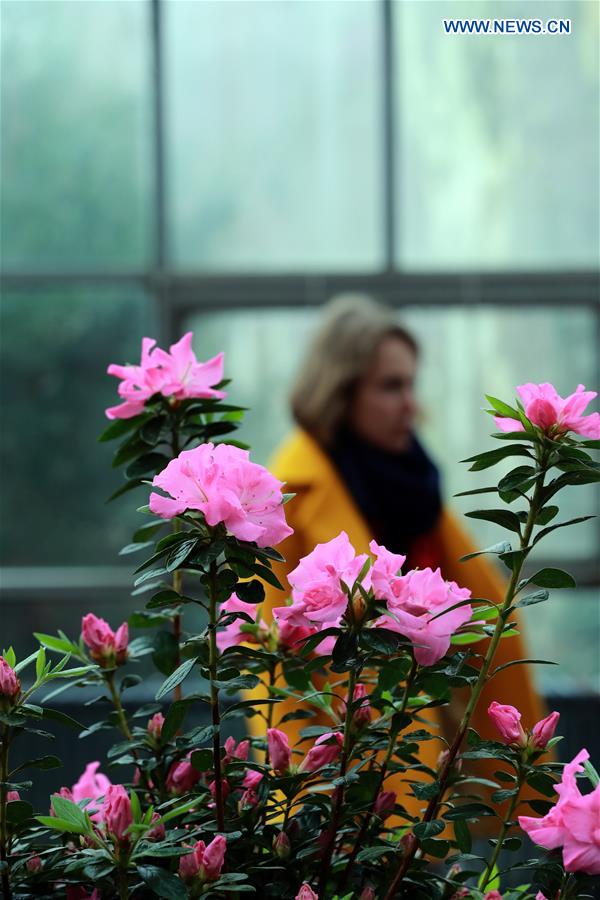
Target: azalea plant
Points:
x,y
223,807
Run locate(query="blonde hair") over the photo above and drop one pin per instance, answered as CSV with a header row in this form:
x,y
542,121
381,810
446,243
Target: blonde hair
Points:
x,y
339,355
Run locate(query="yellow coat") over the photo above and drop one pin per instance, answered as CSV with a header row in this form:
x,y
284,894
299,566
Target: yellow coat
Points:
x,y
321,509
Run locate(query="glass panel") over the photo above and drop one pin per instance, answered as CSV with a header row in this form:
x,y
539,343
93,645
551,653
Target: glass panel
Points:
x,y
466,353
498,139
76,148
273,115
56,345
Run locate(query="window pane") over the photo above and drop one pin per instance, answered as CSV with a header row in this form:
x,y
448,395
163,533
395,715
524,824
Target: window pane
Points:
x,y
56,477
274,135
498,139
466,353
76,148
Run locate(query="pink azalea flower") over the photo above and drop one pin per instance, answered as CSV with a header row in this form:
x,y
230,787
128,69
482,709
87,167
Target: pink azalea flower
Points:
x,y
415,601
235,751
292,637
493,895
280,754
545,408
362,714
92,785
10,686
573,823
282,846
385,572
11,796
306,893
116,811
507,720
232,634
252,779
182,777
223,484
323,752
175,374
107,647
385,804
317,592
543,731
204,862
155,725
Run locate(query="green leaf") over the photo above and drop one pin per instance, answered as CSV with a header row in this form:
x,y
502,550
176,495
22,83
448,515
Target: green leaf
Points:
x,y
120,427
504,409
165,598
546,515
497,549
59,716
425,830
69,812
178,556
492,457
54,643
462,836
503,517
42,762
174,719
469,811
546,531
250,591
531,599
202,760
176,678
165,652
520,478
552,578
18,811
163,883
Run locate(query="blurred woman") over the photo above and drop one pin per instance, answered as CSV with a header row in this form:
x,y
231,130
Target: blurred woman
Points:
x,y
356,464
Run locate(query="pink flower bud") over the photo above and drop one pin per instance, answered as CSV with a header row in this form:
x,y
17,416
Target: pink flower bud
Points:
x,y
248,800
204,862
252,779
543,731
279,750
282,846
10,686
34,865
157,832
106,648
540,896
461,892
116,811
368,893
233,751
11,796
306,893
441,761
225,788
64,792
155,725
493,895
182,777
362,715
507,720
325,749
385,803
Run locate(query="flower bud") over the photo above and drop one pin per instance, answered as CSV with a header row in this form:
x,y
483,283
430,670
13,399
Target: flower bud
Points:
x,y
543,731
493,895
233,751
155,832
384,804
280,754
11,796
306,893
362,713
155,725
10,686
107,648
507,720
282,846
443,757
182,777
248,800
116,812
252,779
324,751
34,865
367,894
204,862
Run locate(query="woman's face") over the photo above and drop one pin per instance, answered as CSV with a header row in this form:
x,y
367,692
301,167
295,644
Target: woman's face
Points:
x,y
384,407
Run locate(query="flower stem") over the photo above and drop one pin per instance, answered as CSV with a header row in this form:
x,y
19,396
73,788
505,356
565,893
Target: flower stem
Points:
x,y
6,889
489,870
110,680
177,574
411,843
214,694
340,791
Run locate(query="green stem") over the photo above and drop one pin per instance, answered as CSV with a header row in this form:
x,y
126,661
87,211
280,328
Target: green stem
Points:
x,y
340,791
411,843
110,680
358,844
270,708
123,886
4,855
177,574
506,824
214,694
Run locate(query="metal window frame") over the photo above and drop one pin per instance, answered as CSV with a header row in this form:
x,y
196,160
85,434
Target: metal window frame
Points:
x,y
177,294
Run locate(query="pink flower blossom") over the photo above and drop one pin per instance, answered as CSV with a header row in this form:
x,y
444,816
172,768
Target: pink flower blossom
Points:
x,y
492,895
204,862
155,832
323,752
116,811
248,800
92,785
385,572
232,634
155,725
282,846
385,804
10,686
223,484
318,594
225,789
545,408
280,754
416,599
507,720
252,779
306,893
34,865
235,751
177,374
11,796
368,893
362,713
573,823
182,777
543,731
107,647
540,896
